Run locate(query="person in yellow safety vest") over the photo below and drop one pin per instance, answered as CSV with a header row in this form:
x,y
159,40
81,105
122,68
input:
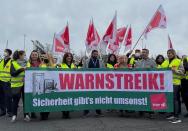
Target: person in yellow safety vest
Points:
x,y
67,63
134,58
46,62
18,66
184,84
177,69
159,61
112,60
5,89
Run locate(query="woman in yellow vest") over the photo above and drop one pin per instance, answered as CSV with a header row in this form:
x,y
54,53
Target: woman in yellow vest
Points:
x,y
159,61
112,60
18,66
5,89
177,69
67,64
46,62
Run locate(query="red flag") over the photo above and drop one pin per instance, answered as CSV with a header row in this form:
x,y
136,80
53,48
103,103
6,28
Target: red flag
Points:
x,y
92,39
58,45
120,34
110,35
158,20
128,39
61,41
170,46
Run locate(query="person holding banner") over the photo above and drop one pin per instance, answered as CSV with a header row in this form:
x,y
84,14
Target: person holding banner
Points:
x,y
46,62
178,71
159,60
112,60
93,62
122,62
34,61
67,64
18,66
146,62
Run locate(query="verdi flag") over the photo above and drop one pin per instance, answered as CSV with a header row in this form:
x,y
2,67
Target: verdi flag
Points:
x,y
61,41
158,21
128,40
110,35
92,39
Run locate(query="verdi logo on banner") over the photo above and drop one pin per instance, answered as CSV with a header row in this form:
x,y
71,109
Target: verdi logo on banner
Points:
x,y
58,90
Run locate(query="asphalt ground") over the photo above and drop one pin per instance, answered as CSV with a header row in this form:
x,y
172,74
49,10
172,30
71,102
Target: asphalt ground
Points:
x,y
110,122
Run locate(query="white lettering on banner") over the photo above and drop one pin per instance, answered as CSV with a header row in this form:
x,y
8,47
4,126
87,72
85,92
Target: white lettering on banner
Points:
x,y
37,102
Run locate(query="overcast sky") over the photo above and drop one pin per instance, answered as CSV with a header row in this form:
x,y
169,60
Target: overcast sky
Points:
x,y
40,19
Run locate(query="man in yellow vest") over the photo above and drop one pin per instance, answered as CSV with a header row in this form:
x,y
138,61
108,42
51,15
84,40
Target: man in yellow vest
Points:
x,y
178,71
5,90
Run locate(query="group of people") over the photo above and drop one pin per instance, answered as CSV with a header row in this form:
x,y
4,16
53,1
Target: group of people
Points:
x,y
12,68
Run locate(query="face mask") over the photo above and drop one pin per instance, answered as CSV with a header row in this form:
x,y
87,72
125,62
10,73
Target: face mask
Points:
x,y
137,54
25,58
46,61
5,54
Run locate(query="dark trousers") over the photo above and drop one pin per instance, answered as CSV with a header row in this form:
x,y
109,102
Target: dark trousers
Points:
x,y
177,101
17,93
184,92
66,114
87,111
5,97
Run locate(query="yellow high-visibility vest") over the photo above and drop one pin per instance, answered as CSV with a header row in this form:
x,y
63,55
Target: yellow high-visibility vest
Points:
x,y
18,81
65,66
109,65
132,61
5,71
43,65
175,63
186,73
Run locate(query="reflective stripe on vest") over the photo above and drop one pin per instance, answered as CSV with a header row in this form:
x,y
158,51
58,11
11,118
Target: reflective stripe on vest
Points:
x,y
175,63
65,66
17,81
109,65
5,71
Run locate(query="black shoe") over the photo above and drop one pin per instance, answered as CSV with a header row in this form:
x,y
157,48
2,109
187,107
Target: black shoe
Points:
x,y
186,115
10,114
151,116
2,114
33,116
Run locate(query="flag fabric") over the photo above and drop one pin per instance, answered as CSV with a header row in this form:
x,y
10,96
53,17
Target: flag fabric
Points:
x,y
121,33
92,39
116,45
110,35
170,46
128,40
61,41
158,21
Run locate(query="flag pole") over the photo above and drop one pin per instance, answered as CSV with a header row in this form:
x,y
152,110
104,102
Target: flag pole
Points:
x,y
145,29
24,41
7,44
